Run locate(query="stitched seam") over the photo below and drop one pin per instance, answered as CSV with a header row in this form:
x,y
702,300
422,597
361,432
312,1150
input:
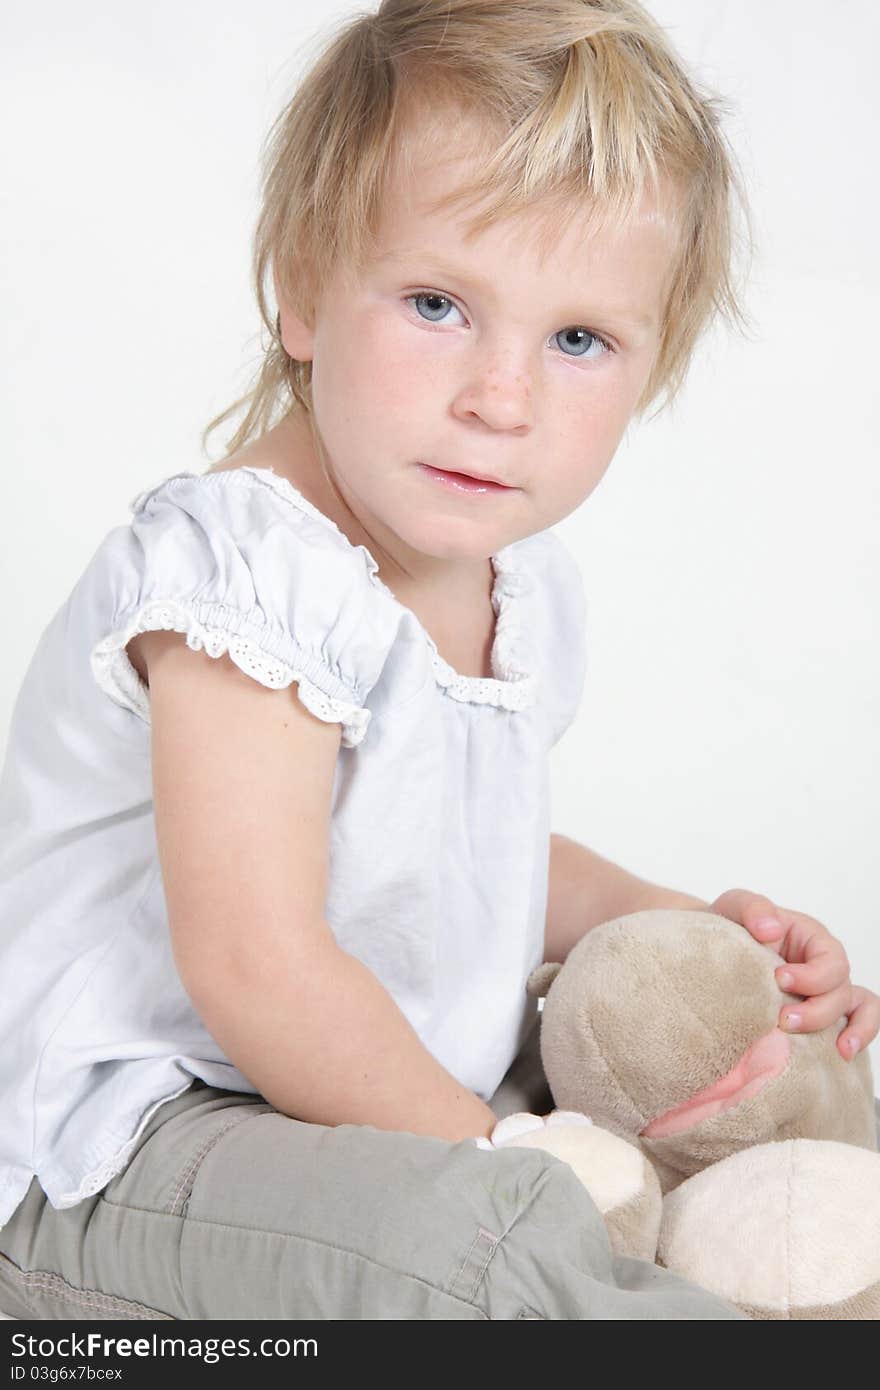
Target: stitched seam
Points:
x,y
289,1235
322,1245
187,1180
544,1177
482,1234
43,1281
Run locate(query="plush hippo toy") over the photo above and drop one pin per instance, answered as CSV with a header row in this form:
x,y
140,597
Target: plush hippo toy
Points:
x,y
714,1144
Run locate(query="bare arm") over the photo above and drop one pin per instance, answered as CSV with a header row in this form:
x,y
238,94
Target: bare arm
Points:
x,y
243,847
585,890
323,1041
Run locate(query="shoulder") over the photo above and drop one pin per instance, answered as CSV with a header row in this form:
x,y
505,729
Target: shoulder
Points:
x,y
256,531
239,561
244,496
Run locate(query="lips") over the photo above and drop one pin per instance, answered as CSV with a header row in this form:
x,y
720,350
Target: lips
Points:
x,y
481,478
474,477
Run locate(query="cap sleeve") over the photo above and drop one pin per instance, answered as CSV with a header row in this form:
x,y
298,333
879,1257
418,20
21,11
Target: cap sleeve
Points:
x,y
565,627
241,570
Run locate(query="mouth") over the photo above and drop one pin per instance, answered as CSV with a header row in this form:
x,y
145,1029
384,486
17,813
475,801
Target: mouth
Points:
x,y
469,482
763,1061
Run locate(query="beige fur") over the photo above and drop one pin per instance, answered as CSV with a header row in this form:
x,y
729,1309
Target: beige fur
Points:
x,y
756,1214
617,1176
695,990
773,1203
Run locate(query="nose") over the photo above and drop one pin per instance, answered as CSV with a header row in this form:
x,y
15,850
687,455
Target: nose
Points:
x,y
499,394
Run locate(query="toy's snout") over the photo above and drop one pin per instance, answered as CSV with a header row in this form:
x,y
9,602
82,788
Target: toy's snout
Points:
x,y
662,1026
761,1062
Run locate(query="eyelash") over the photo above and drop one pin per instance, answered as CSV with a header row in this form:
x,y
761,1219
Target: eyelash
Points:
x,y
573,357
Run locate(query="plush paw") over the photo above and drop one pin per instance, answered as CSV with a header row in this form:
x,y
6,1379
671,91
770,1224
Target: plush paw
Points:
x,y
617,1175
514,1126
785,1230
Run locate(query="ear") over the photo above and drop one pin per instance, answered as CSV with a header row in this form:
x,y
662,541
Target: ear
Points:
x,y
296,336
541,978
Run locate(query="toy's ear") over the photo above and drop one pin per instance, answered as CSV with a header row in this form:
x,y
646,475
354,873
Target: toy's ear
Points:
x,y
542,978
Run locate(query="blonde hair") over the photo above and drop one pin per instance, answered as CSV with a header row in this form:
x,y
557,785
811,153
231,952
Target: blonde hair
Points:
x,y
581,102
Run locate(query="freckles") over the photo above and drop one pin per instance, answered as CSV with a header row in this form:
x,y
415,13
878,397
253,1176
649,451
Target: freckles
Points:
x,y
493,383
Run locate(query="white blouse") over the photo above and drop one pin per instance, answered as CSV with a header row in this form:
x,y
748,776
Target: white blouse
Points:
x,y
439,839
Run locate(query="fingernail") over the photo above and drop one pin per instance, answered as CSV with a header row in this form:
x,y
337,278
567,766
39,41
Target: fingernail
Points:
x,y
792,1020
852,1046
768,924
785,980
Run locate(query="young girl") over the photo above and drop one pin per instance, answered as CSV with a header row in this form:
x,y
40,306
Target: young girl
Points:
x,y
276,858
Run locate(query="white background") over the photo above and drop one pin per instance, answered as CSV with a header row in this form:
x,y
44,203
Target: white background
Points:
x,y
729,730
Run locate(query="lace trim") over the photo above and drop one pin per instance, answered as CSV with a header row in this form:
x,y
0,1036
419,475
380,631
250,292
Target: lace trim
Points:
x,y
100,1176
116,676
512,685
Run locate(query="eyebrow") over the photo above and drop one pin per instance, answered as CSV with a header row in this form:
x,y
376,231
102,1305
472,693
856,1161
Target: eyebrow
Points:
x,y
625,316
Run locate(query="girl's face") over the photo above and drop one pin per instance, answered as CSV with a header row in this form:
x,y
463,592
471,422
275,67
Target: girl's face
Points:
x,y
478,356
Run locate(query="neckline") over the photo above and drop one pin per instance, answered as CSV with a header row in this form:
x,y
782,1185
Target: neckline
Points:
x,y
512,686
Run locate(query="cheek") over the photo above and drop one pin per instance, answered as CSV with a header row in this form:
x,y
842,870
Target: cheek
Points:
x,y
594,416
590,425
367,375
407,362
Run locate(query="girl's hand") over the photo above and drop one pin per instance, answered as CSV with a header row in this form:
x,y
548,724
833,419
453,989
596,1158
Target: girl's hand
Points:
x,y
817,966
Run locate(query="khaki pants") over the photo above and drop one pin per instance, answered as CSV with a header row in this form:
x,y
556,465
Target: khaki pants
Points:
x,y
229,1209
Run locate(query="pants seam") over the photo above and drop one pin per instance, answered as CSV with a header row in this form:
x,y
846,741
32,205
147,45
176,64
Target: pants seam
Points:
x,y
475,1265
46,1282
493,1242
183,1191
482,1234
187,1221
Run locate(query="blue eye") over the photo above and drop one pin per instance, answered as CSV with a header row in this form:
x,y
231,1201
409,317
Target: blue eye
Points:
x,y
587,341
425,295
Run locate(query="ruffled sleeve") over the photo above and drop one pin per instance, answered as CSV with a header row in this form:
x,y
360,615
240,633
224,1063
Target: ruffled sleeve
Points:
x,y
241,569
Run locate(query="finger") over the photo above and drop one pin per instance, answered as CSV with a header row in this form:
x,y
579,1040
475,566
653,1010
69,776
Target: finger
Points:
x,y
759,916
863,1025
827,969
809,1015
806,936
